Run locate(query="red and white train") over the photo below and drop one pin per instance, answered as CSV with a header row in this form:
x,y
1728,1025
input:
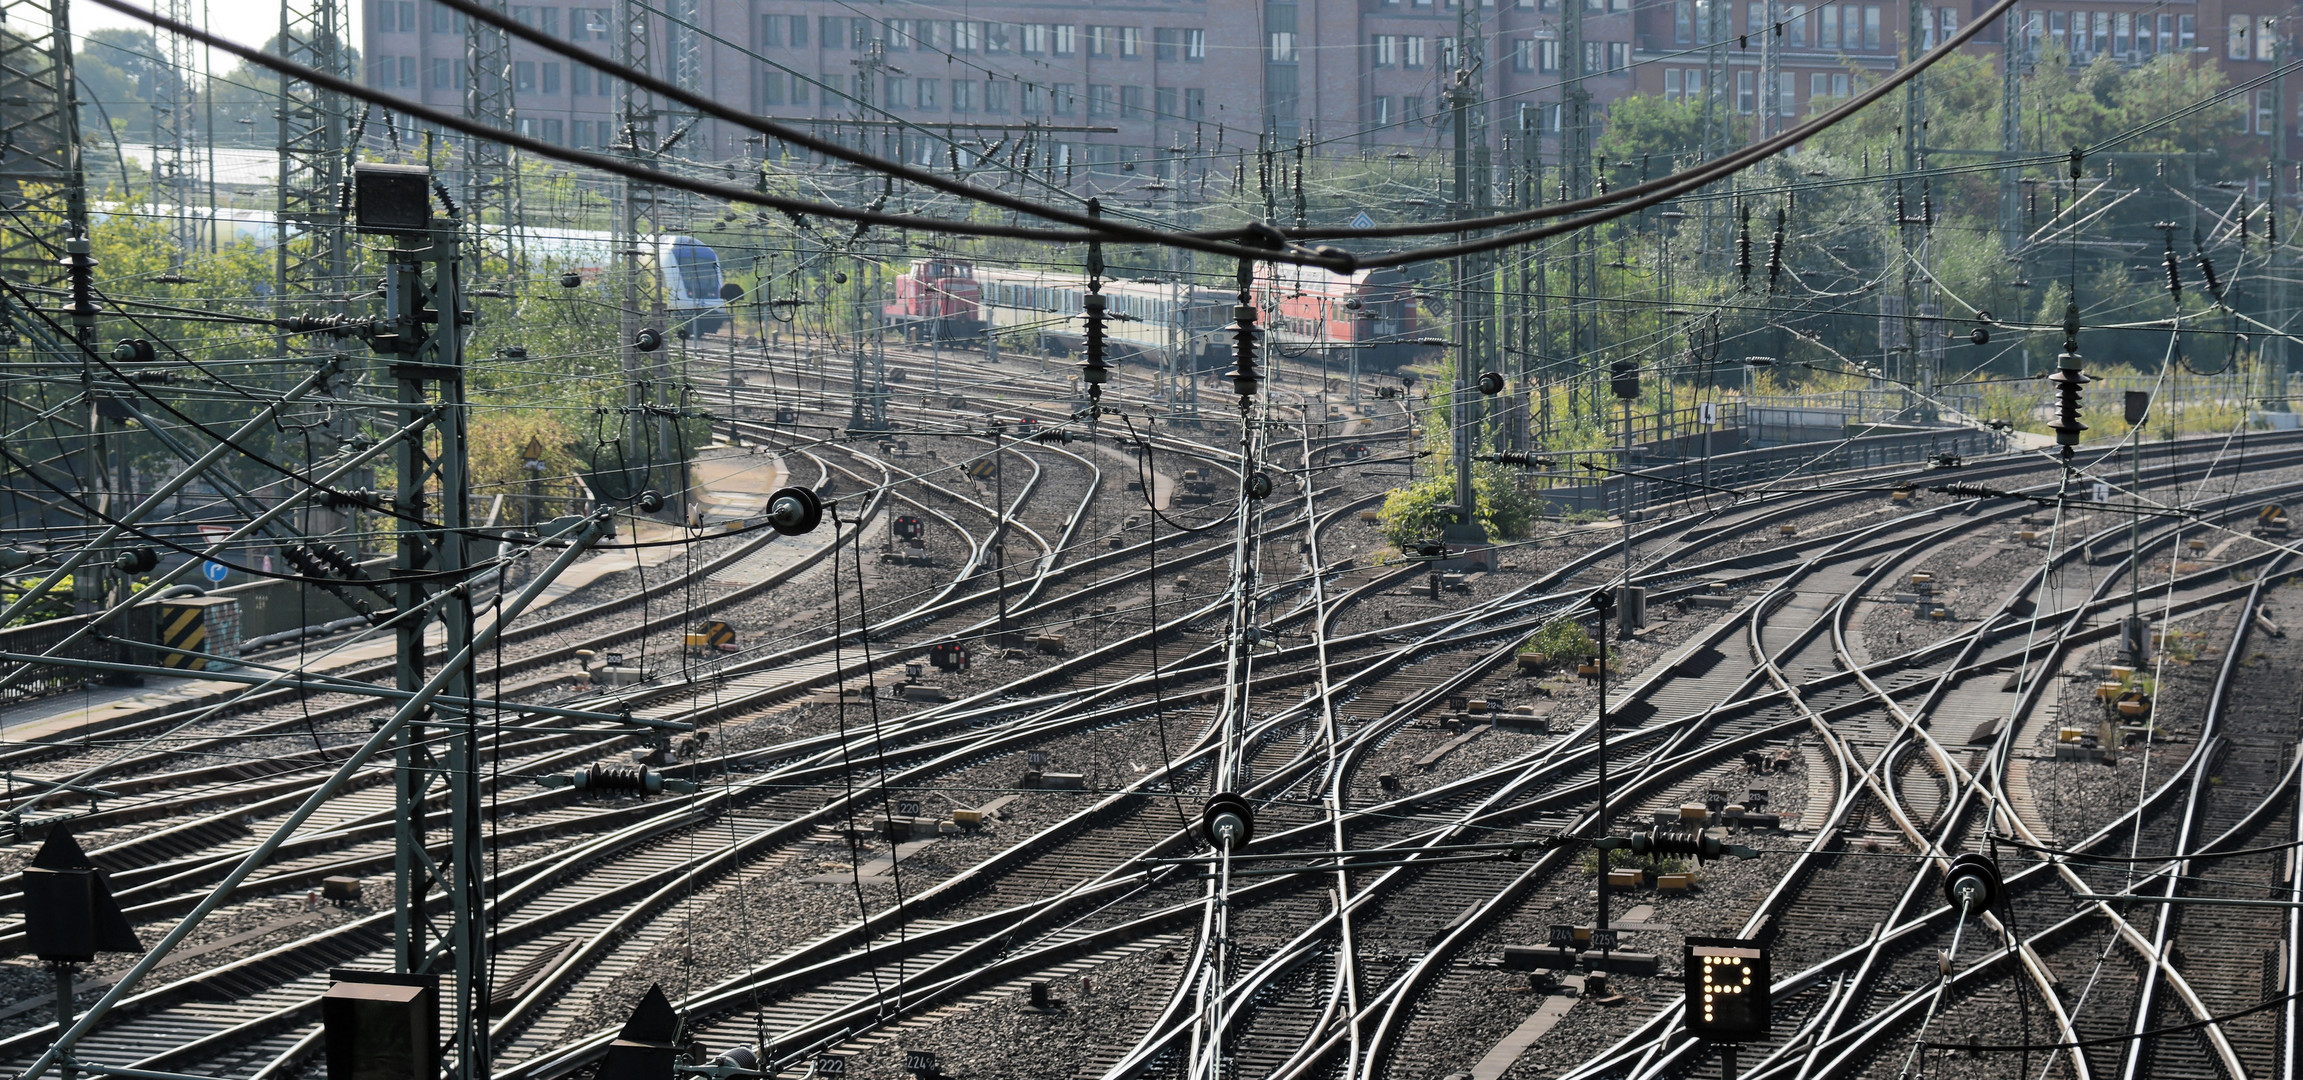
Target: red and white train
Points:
x,y
1305,311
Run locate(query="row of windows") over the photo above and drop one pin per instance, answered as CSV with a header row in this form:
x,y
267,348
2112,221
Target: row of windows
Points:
x,y
1537,53
2086,35
583,23
995,96
960,35
1845,27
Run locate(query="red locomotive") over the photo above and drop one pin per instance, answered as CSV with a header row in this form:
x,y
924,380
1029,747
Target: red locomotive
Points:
x,y
1370,316
937,299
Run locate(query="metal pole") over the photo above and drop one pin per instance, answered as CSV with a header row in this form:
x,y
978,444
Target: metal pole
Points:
x,y
262,853
1600,603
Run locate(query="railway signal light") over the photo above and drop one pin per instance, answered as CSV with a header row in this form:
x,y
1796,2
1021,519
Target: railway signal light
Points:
x,y
1623,379
571,280
133,351
649,339
2138,403
1729,988
1258,485
1490,383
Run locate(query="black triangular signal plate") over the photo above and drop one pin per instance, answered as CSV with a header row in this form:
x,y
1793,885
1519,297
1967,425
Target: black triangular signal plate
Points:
x,y
653,1020
61,852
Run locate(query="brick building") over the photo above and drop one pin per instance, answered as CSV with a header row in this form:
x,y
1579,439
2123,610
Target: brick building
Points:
x,y
1353,74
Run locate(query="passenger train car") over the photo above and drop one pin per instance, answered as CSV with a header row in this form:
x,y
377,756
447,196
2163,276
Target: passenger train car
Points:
x,y
1303,310
687,269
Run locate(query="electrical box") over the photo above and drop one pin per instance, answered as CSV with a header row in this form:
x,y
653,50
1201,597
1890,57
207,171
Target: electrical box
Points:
x,y
1729,989
391,200
198,624
381,1025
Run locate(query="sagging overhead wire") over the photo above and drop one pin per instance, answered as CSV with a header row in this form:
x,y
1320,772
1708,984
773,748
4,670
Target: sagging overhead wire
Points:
x,y
1276,249
1641,195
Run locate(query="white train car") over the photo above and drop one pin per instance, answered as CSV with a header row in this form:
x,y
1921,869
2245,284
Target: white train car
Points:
x,y
1041,309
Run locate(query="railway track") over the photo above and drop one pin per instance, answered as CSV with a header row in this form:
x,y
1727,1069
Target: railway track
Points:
x,y
1902,755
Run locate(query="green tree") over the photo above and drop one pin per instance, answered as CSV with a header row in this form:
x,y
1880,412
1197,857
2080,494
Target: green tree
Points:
x,y
1645,125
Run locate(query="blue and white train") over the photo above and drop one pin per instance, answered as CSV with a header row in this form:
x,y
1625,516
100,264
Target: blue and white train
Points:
x,y
687,269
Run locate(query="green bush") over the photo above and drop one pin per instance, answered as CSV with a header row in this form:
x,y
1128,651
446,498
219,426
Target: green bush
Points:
x,y
1411,515
1565,641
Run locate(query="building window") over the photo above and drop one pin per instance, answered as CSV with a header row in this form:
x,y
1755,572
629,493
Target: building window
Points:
x,y
1101,40
1839,87
1282,49
1592,52
1060,98
1797,31
2122,34
1411,52
927,92
996,37
1787,93
446,21
2266,37
1410,108
771,31
2235,44
1387,50
1067,40
966,37
1164,103
2102,32
552,132
799,89
551,74
1828,37
771,92
1755,19
1131,43
1195,44
2145,46
1871,26
1167,44
524,76
1379,110
2186,32
1683,22
1743,103
1671,84
1103,100
1818,85
1194,103
1619,56
995,96
963,95
1523,54
1131,102
1547,54
832,30
896,91
2266,111
1035,39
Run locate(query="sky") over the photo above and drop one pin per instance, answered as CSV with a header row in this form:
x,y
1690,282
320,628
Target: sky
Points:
x,y
249,22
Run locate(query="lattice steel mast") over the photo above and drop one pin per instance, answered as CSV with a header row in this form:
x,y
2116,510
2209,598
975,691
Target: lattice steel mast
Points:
x,y
176,182
491,169
40,174
313,258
